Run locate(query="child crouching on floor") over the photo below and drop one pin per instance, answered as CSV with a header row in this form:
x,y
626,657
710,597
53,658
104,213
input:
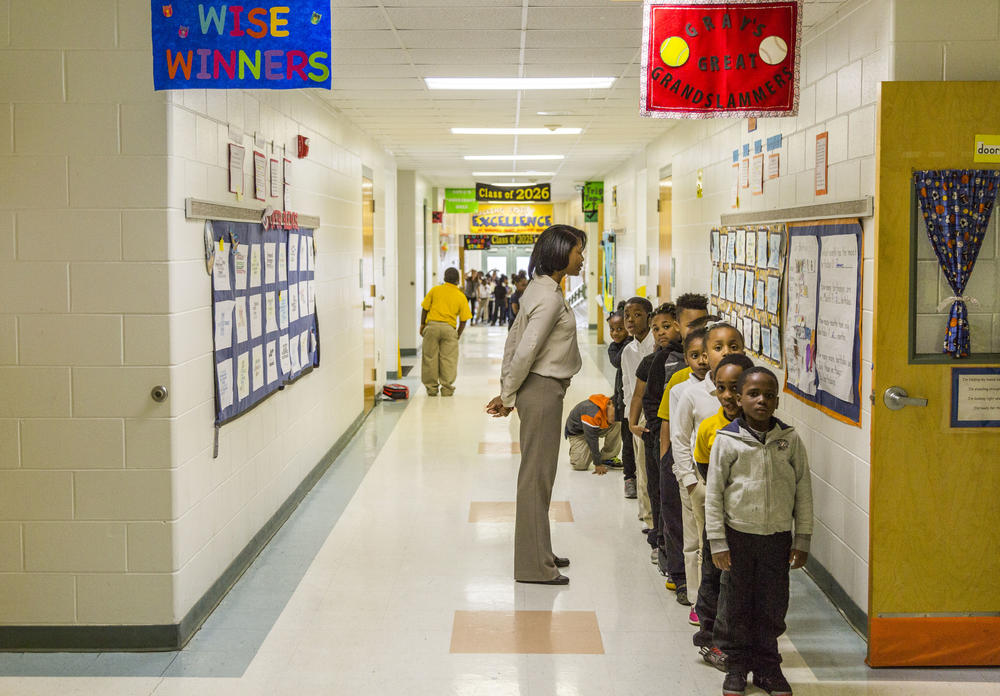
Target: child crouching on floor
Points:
x,y
587,423
758,491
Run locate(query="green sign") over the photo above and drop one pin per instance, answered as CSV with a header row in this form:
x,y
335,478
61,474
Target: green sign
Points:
x,y
593,196
460,194
590,216
460,206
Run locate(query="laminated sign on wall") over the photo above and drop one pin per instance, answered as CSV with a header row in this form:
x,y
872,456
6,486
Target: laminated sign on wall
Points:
x,y
720,59
264,311
747,268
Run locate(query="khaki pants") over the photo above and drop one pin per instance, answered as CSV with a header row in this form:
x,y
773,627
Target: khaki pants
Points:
x,y
579,450
639,447
440,359
539,403
693,515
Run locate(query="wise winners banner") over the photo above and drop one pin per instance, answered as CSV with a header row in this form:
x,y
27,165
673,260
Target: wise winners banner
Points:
x,y
203,45
720,59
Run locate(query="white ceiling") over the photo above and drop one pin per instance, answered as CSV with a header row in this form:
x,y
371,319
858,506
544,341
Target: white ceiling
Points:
x,y
383,48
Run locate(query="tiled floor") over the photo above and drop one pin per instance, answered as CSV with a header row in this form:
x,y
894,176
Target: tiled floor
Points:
x,y
361,591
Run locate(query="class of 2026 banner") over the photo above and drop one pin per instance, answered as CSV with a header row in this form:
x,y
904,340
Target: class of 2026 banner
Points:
x,y
709,59
260,45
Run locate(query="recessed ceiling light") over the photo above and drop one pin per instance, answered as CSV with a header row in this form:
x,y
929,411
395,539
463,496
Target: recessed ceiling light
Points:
x,y
513,173
517,131
508,158
516,83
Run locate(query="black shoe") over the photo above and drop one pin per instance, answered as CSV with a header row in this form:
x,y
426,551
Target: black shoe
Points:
x,y
735,683
682,596
561,562
558,580
773,682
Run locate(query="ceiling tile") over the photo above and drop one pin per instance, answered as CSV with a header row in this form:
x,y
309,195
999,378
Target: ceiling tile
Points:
x,y
610,16
363,39
462,38
451,17
559,38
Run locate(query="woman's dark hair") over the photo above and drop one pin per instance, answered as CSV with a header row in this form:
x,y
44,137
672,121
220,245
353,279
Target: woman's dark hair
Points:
x,y
552,250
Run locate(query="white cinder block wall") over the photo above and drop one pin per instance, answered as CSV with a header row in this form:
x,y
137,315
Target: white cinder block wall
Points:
x,y
843,61
112,509
84,256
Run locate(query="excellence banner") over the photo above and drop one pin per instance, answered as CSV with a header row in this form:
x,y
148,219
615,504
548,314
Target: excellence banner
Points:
x,y
512,219
705,59
262,45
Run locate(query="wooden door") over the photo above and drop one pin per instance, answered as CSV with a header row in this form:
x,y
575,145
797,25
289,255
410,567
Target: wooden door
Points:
x,y
933,590
663,289
368,288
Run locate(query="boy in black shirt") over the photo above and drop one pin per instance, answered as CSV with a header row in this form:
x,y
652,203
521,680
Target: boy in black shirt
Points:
x,y
651,377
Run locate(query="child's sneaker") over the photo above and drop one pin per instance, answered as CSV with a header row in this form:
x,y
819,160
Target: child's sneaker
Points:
x,y
773,682
715,657
735,683
682,596
693,619
630,491
615,463
670,584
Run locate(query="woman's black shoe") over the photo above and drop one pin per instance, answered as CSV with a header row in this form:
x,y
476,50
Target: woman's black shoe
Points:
x,y
558,580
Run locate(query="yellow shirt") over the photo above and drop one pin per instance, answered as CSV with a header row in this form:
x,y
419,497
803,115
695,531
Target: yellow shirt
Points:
x,y
675,379
706,436
445,302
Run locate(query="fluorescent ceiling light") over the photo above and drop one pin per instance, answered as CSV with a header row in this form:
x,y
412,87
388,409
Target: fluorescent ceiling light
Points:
x,y
513,173
509,158
555,113
517,131
516,83
515,183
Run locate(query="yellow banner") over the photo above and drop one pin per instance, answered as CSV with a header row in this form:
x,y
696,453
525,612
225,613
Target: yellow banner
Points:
x,y
512,219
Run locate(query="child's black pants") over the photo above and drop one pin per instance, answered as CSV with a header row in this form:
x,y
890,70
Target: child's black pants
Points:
x,y
756,591
628,448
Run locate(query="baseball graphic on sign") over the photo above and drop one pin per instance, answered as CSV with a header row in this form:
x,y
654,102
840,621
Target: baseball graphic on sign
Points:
x,y
674,51
773,50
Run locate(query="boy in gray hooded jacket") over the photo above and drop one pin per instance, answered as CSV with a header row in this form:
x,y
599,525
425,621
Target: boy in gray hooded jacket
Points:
x,y
758,489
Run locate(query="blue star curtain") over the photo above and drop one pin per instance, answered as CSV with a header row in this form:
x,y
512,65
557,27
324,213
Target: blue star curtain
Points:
x,y
956,204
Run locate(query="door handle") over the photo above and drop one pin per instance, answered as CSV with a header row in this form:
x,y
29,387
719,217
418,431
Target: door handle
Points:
x,y
896,398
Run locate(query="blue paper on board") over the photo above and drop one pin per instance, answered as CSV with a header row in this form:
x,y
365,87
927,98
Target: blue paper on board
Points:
x,y
261,45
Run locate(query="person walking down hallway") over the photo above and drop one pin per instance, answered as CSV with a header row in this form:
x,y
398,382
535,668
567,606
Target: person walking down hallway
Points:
x,y
540,357
442,321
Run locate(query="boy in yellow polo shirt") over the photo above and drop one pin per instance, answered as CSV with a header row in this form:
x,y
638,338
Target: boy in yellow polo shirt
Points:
x,y
442,321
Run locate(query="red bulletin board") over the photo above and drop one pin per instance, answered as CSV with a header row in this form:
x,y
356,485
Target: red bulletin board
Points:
x,y
703,59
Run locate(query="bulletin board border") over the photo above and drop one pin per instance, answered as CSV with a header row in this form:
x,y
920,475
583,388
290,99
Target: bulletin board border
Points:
x,y
956,374
836,408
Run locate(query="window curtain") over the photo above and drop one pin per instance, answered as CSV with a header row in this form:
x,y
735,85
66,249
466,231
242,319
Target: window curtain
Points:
x,y
956,205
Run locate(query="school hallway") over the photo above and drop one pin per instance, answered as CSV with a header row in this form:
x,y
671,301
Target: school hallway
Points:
x,y
394,576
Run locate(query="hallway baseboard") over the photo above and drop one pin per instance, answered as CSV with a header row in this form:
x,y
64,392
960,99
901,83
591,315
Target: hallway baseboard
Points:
x,y
852,613
168,637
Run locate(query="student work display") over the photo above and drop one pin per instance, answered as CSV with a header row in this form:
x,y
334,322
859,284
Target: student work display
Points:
x,y
263,309
747,268
823,320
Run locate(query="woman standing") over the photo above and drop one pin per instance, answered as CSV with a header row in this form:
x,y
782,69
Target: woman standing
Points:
x,y
540,358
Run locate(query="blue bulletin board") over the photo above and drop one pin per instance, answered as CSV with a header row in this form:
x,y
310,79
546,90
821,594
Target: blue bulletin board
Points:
x,y
263,312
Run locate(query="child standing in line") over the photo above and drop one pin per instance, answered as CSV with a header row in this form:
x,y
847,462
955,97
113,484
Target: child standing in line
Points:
x,y
758,491
697,366
694,405
637,311
619,339
726,378
644,423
